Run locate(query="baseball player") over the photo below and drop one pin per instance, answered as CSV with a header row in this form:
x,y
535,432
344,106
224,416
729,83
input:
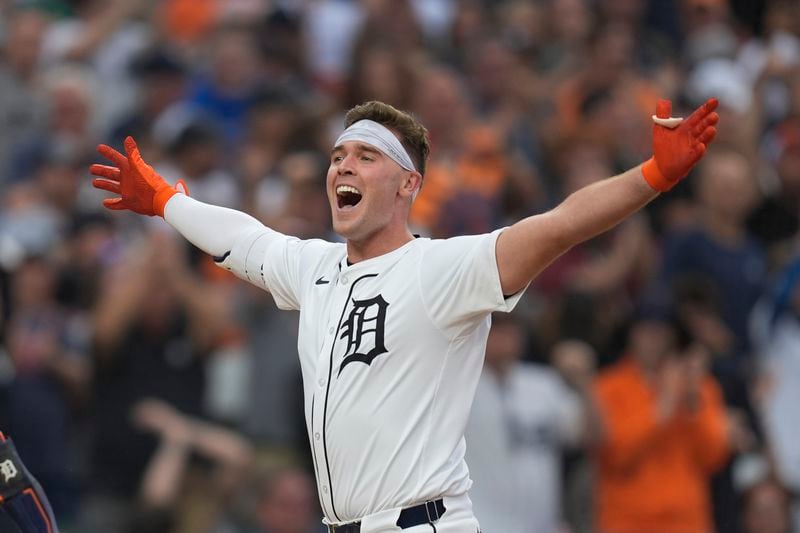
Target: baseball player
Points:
x,y
24,507
393,328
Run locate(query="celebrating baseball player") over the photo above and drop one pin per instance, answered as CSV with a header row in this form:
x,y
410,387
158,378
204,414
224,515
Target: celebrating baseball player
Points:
x,y
392,327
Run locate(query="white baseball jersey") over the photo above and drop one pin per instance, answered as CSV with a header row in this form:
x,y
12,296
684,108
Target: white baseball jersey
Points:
x,y
391,350
515,436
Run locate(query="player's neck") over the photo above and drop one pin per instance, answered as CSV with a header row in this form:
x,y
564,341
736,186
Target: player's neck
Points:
x,y
378,244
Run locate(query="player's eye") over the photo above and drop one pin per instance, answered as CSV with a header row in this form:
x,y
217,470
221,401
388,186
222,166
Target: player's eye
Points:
x,y
367,158
336,159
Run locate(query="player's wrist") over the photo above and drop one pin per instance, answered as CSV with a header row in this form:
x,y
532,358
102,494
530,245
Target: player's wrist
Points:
x,y
161,197
655,178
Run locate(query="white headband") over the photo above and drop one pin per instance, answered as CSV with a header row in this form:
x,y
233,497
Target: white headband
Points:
x,y
379,136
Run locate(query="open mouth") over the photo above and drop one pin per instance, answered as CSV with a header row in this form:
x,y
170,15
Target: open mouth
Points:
x,y
347,196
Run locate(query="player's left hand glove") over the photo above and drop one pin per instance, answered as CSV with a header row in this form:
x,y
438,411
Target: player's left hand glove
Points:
x,y
140,188
678,144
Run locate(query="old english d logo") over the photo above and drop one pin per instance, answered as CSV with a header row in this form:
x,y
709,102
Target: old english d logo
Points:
x,y
8,470
364,324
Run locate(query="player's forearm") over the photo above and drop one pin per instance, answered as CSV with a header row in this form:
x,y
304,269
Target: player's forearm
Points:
x,y
164,475
211,228
220,444
601,206
526,248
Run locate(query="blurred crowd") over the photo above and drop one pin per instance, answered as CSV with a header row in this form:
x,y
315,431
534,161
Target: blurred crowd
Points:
x,y
649,380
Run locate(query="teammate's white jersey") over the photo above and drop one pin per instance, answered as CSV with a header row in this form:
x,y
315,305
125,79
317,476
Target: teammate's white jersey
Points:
x,y
391,350
515,435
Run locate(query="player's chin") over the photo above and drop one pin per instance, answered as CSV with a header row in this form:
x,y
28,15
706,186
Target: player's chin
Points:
x,y
345,224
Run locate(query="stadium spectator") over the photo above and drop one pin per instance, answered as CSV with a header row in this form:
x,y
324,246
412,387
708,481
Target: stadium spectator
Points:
x,y
664,433
718,247
287,503
776,330
22,109
41,405
523,416
178,492
152,326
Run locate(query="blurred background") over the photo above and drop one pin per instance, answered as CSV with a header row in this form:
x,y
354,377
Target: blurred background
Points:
x,y
650,377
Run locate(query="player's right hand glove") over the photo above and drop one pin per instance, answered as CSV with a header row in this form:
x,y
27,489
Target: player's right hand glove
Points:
x,y
140,188
678,144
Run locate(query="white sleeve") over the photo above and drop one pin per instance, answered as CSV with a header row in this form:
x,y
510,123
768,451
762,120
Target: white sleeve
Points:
x,y
282,265
243,245
211,228
460,282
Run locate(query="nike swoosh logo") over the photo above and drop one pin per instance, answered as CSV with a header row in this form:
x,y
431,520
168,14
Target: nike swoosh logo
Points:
x,y
321,281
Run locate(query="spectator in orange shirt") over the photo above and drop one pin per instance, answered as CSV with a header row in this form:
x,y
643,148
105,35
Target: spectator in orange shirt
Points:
x,y
664,434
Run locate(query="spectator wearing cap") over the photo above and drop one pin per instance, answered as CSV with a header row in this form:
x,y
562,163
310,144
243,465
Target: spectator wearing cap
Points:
x,y
664,433
194,151
161,78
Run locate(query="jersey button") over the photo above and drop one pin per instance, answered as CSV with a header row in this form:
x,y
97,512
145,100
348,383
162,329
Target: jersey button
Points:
x,y
344,280
330,331
321,382
316,435
325,489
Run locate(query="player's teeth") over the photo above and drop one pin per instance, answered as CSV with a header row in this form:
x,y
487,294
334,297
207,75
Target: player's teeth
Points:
x,y
341,189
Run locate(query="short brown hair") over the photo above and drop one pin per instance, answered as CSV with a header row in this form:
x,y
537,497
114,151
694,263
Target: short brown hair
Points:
x,y
413,135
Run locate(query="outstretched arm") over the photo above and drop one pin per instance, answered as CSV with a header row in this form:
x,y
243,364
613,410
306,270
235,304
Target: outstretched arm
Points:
x,y
237,241
211,228
527,247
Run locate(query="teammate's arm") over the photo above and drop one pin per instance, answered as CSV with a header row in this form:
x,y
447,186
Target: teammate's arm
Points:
x,y
527,247
211,228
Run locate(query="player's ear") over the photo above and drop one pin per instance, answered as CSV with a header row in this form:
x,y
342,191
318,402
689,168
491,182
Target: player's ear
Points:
x,y
412,182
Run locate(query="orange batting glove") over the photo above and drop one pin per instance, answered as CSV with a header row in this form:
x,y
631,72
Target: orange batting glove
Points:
x,y
140,188
678,144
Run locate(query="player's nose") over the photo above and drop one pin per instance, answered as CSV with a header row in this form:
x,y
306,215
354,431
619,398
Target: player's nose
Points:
x,y
346,166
